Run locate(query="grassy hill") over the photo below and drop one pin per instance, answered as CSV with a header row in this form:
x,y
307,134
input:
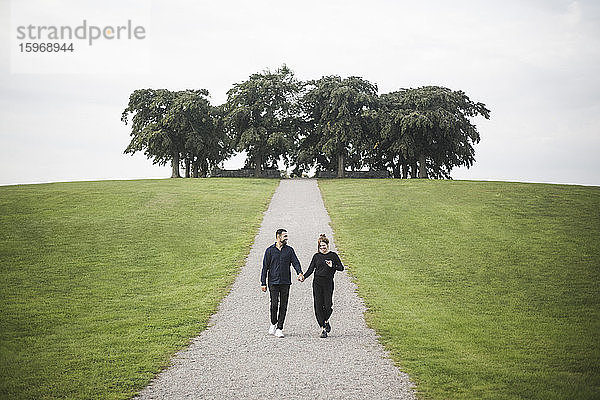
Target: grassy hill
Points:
x,y
480,290
103,281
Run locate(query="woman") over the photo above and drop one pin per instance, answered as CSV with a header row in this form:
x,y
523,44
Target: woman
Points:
x,y
323,264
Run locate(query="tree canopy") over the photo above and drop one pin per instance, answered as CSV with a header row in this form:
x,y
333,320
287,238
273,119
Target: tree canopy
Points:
x,y
330,124
337,115
428,127
169,126
150,131
261,115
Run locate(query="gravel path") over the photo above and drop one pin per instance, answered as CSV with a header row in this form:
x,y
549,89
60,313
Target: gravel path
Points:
x,y
236,358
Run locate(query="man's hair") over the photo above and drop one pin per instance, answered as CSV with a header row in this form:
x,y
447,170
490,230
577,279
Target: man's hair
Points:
x,y
279,232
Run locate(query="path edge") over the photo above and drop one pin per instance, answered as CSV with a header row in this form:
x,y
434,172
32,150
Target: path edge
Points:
x,y
353,279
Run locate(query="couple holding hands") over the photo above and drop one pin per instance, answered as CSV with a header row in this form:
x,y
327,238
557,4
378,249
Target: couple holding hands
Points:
x,y
276,269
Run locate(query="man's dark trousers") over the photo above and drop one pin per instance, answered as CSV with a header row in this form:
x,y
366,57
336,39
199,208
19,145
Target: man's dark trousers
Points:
x,y
279,300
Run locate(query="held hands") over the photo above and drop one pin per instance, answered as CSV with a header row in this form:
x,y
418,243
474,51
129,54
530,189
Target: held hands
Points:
x,y
263,288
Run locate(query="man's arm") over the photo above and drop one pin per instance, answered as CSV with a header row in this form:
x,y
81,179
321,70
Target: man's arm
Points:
x,y
296,264
265,267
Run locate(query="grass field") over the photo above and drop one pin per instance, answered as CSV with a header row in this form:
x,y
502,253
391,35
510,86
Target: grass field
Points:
x,y
480,290
103,281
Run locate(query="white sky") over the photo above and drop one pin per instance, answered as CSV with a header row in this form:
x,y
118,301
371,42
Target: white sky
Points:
x,y
535,64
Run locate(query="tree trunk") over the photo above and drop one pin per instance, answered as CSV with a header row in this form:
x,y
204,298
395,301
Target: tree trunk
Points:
x,y
395,170
187,167
195,164
340,167
175,166
405,171
257,169
422,168
413,171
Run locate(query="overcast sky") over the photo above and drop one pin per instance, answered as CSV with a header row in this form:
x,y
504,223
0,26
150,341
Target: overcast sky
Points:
x,y
535,64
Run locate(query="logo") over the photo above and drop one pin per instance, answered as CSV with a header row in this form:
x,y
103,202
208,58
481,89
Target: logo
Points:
x,y
81,37
89,33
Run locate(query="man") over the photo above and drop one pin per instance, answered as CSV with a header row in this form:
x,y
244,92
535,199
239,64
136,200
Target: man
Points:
x,y
276,265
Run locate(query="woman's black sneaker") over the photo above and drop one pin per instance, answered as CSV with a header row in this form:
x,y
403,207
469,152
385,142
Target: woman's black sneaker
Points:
x,y
327,327
324,333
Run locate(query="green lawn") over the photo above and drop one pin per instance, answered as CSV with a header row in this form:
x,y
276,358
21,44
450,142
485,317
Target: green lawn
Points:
x,y
102,282
480,290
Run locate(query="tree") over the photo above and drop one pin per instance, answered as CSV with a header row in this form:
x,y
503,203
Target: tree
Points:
x,y
429,127
151,132
205,142
337,113
169,126
261,114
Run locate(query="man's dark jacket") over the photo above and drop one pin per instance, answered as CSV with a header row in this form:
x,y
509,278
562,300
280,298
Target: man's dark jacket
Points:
x,y
276,264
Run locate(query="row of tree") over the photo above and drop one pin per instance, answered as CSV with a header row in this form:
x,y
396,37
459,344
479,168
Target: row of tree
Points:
x,y
330,124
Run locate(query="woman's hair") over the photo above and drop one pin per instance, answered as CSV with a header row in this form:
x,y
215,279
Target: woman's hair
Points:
x,y
322,238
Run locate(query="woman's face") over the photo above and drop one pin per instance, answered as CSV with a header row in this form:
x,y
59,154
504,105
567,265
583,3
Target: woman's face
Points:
x,y
323,247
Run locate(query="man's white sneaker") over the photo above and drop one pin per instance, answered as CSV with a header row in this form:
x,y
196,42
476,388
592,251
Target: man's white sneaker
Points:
x,y
272,329
279,333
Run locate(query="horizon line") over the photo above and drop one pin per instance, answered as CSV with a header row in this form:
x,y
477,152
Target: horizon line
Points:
x,y
399,179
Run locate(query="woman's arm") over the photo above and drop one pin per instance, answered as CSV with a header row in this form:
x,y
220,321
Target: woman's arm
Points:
x,y
311,267
338,263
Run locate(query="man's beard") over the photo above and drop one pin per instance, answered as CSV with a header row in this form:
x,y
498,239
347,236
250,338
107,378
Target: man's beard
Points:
x,y
284,241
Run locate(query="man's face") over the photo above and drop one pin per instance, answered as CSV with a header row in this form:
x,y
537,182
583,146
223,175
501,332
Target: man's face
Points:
x,y
283,238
